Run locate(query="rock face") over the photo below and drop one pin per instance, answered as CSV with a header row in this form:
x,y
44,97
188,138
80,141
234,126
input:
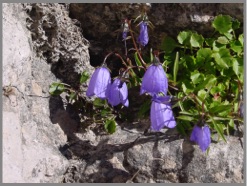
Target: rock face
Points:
x,y
32,130
129,155
42,138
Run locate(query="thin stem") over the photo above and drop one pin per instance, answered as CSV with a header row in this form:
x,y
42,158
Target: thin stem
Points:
x,y
104,62
124,63
132,36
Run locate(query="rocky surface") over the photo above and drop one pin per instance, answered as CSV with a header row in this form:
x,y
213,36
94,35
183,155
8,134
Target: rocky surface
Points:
x,y
32,130
43,140
131,155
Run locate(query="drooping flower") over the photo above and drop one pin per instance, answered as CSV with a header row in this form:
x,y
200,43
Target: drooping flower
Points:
x,y
154,80
161,113
201,135
99,83
118,93
125,29
143,37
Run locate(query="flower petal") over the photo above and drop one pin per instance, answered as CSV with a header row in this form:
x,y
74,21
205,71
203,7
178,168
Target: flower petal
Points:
x,y
118,93
201,135
154,80
99,83
161,115
143,37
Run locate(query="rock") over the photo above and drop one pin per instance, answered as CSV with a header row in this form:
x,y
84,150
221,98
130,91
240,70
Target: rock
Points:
x,y
58,39
30,140
130,156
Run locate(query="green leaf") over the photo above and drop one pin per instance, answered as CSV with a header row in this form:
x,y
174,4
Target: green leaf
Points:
x,y
72,96
204,53
228,35
220,108
222,58
222,40
145,107
235,24
235,66
218,129
84,77
168,44
202,94
196,40
105,112
56,89
196,77
241,39
209,41
175,68
184,37
99,102
110,126
138,62
209,81
236,46
186,118
187,87
222,23
182,127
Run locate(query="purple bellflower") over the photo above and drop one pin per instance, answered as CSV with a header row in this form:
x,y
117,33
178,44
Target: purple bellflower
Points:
x,y
154,80
118,93
161,113
143,37
99,83
201,135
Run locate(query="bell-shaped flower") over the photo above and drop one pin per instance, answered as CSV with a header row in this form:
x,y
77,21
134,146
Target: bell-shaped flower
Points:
x,y
118,93
201,135
143,37
154,80
99,83
161,113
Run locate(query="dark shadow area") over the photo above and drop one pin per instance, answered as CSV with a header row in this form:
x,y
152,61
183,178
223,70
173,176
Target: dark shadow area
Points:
x,y
67,119
188,154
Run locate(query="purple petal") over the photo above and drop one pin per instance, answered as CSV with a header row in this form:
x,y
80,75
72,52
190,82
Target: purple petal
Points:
x,y
118,93
161,115
143,37
154,80
99,83
201,135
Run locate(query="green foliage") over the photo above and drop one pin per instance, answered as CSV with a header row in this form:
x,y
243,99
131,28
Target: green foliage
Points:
x,y
110,126
210,76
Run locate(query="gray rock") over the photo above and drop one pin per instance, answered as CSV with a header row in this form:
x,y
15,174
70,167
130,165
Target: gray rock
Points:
x,y
30,140
58,39
129,156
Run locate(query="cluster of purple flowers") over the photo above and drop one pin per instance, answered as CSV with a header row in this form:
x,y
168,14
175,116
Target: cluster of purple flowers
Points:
x,y
154,82
100,85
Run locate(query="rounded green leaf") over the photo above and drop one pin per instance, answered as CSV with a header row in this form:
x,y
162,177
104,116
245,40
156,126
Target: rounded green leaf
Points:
x,y
56,89
223,58
110,126
222,23
84,77
184,37
222,40
235,24
205,54
196,40
236,46
168,44
196,77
